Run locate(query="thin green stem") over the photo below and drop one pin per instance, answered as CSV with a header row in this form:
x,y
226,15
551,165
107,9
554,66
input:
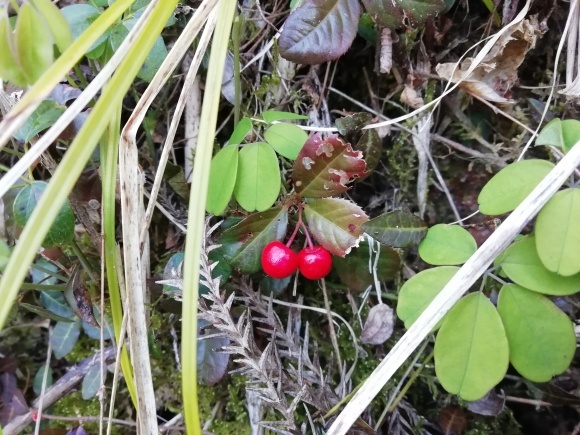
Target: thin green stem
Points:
x,y
84,261
196,224
236,30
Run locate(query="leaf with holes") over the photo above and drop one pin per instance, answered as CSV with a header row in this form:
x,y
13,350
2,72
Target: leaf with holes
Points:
x,y
541,336
286,139
64,337
397,13
62,230
258,179
398,229
324,167
558,233
335,224
243,243
447,245
319,31
355,271
471,348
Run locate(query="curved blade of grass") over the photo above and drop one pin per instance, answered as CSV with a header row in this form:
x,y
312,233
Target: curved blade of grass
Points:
x,y
195,228
44,85
72,165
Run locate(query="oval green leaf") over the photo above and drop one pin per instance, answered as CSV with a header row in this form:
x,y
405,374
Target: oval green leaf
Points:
x,y
354,270
240,132
541,337
562,134
558,233
63,228
243,243
258,179
521,264
56,22
286,139
510,186
222,179
418,292
447,245
335,223
92,381
471,348
64,337
398,229
9,68
34,43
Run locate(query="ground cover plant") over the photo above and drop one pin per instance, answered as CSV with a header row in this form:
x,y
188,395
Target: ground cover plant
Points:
x,y
317,216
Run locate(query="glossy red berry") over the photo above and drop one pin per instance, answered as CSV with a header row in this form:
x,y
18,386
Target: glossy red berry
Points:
x,y
278,260
314,262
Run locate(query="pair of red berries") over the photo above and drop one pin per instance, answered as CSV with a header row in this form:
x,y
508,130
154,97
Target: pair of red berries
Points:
x,y
279,261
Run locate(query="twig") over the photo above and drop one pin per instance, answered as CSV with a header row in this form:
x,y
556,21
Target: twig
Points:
x,y
331,325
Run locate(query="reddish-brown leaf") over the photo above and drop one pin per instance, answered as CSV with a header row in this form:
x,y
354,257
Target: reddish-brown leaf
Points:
x,y
452,420
325,167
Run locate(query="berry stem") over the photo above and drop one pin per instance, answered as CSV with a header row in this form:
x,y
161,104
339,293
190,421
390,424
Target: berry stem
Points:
x,y
308,239
300,223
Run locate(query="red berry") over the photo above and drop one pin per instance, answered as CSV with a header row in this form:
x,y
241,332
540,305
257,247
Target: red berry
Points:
x,y
315,262
278,260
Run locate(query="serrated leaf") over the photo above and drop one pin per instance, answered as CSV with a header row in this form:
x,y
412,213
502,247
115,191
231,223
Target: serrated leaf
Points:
x,y
212,364
558,233
319,31
510,186
447,245
42,118
258,179
39,378
398,229
541,337
418,292
396,13
92,381
324,167
34,43
354,271
222,179
562,134
471,348
243,243
4,254
241,130
286,139
335,223
378,326
521,264
275,115
63,228
64,337
371,146
54,301
45,314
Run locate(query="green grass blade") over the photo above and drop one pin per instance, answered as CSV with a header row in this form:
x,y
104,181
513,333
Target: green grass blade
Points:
x,y
195,227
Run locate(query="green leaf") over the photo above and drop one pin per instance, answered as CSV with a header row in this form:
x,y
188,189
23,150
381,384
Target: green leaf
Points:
x,y
398,229
286,139
271,116
396,13
510,186
63,228
64,337
39,377
9,68
355,270
57,23
335,223
351,124
155,57
94,332
92,381
222,179
562,134
258,179
418,292
54,301
325,167
240,131
79,18
558,233
447,245
175,177
371,146
471,348
45,314
541,337
34,43
4,254
317,32
243,243
42,118
521,264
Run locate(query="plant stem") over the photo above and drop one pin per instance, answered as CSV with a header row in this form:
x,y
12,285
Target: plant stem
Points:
x,y
236,30
293,236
